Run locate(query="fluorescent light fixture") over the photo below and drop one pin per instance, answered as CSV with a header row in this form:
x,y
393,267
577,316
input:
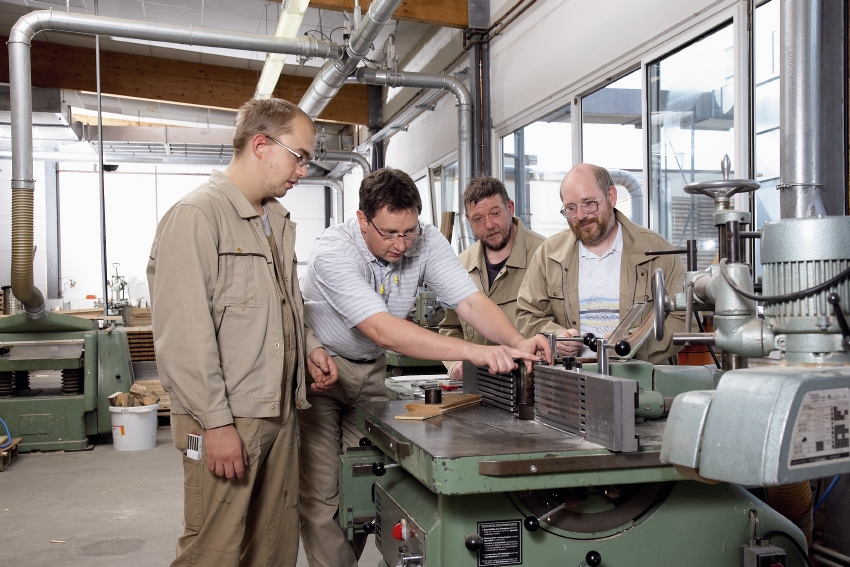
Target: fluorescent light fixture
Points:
x,y
291,16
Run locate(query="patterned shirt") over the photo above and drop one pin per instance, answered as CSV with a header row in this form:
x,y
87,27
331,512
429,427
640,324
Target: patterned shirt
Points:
x,y
346,284
599,290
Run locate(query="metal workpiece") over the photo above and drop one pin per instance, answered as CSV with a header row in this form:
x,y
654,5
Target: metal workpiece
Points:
x,y
800,110
771,426
685,426
464,109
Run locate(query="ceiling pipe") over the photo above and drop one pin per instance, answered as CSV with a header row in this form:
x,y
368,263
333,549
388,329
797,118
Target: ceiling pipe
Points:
x,y
630,183
464,132
334,73
345,157
801,181
20,80
337,190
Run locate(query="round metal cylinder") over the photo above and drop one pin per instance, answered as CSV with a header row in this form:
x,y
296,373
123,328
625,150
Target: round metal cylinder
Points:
x,y
433,395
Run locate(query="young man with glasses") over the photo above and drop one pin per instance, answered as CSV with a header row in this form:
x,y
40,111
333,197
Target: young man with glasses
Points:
x,y
231,347
496,263
362,279
585,279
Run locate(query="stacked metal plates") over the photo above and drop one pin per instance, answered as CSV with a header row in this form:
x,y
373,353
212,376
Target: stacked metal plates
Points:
x,y
559,398
497,390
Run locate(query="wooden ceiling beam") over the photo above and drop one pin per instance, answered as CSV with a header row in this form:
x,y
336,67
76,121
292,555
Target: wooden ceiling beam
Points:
x,y
168,80
446,13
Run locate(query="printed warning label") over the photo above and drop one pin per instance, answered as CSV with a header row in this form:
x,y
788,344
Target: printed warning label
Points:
x,y
118,431
502,543
822,430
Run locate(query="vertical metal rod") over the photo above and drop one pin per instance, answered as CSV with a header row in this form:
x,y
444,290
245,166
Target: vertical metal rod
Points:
x,y
733,242
692,255
601,357
100,175
721,242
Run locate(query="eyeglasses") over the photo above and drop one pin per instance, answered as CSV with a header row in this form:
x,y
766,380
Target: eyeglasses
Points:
x,y
393,236
571,211
301,160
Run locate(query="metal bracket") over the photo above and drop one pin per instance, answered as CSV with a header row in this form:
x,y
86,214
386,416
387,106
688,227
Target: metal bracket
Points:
x,y
400,448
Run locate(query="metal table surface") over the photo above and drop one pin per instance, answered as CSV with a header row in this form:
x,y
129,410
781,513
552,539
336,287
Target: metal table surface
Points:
x,y
481,431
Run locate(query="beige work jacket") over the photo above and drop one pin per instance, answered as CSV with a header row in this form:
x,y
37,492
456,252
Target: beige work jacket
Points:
x,y
504,290
548,297
216,305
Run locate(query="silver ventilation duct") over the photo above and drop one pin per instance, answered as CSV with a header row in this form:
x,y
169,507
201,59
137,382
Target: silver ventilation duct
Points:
x,y
20,79
464,131
334,73
336,189
801,181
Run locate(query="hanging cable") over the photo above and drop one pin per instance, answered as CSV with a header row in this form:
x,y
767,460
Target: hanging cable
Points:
x,y
785,297
826,493
8,435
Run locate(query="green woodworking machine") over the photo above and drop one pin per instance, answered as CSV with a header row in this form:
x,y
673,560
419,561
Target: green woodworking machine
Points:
x,y
88,365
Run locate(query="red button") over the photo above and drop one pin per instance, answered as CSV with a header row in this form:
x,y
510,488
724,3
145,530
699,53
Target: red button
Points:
x,y
397,531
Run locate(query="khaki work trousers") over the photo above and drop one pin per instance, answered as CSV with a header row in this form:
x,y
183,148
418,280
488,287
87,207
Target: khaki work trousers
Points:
x,y
252,522
327,428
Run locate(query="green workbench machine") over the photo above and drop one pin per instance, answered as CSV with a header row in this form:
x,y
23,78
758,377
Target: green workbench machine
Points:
x,y
93,364
621,463
427,313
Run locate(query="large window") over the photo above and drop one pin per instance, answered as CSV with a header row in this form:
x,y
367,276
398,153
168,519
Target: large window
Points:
x,y
691,108
612,138
534,161
767,112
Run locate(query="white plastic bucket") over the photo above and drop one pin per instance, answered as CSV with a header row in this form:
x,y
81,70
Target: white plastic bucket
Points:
x,y
134,429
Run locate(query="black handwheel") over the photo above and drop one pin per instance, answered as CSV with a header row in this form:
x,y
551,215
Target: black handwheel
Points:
x,y
623,347
593,559
531,523
378,468
364,442
473,542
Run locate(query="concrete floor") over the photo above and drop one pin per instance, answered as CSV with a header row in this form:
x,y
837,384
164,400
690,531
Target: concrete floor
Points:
x,y
98,508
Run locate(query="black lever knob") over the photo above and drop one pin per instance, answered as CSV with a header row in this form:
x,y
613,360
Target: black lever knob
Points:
x,y
593,559
473,542
623,347
588,339
835,300
379,468
531,523
364,442
592,345
369,527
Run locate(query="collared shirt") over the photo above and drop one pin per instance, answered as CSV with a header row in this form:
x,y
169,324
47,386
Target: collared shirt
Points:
x,y
599,289
346,284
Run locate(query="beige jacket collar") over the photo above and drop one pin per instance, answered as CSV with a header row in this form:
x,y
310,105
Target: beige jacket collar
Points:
x,y
634,243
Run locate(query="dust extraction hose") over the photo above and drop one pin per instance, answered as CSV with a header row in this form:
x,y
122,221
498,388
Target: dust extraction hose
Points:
x,y
22,252
794,501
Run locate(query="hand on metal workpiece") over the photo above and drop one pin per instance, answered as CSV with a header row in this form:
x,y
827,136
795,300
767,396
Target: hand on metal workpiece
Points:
x,y
499,359
226,453
322,369
539,346
569,348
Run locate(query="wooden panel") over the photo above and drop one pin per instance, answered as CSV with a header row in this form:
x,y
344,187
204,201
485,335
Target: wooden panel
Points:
x,y
447,13
168,80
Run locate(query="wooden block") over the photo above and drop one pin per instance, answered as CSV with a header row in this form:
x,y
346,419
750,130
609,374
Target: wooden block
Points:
x,y
150,399
113,399
451,402
137,402
138,391
124,400
10,454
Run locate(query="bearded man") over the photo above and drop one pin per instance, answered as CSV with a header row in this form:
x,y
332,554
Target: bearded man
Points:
x,y
497,262
586,278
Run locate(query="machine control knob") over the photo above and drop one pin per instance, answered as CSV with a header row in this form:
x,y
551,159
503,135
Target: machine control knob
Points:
x,y
473,542
401,531
364,442
588,339
835,300
380,469
593,559
623,347
369,527
531,523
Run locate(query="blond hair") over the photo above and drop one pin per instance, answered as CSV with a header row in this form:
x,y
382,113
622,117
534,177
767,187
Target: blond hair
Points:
x,y
272,117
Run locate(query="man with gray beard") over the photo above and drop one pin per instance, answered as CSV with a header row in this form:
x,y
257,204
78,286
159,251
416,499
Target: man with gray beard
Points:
x,y
586,278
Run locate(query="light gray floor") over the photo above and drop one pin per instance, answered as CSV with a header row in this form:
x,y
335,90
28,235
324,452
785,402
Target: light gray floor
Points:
x,y
102,507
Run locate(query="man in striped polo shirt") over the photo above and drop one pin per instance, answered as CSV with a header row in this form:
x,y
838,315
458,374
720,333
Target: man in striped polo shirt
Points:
x,y
586,278
363,277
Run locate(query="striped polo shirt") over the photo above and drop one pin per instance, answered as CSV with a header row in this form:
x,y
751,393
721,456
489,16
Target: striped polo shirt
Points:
x,y
599,290
344,283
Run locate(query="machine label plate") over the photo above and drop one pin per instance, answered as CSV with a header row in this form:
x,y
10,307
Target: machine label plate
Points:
x,y
822,430
502,543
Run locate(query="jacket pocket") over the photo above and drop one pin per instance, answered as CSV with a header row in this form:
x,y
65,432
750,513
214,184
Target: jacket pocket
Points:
x,y
243,271
248,354
558,304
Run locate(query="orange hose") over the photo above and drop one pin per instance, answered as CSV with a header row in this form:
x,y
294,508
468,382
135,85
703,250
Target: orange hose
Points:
x,y
794,501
